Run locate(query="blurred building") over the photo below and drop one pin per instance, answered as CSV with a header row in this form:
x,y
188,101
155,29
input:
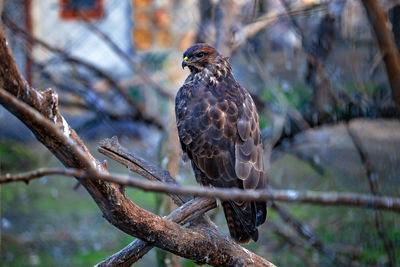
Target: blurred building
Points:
x,y
135,26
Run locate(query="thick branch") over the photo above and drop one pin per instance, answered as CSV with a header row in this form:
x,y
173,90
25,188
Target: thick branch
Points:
x,y
54,132
112,149
138,248
377,18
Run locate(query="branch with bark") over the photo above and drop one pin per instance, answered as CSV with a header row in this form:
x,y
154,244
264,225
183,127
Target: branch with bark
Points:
x,y
39,112
380,24
291,196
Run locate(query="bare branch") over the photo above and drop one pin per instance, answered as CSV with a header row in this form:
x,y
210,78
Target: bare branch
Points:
x,y
312,238
138,110
377,18
203,245
112,149
297,246
138,248
249,30
28,176
374,188
291,196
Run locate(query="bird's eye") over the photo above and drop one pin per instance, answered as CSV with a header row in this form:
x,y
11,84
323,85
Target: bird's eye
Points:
x,y
201,54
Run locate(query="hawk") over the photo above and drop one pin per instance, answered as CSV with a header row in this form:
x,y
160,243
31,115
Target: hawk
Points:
x,y
219,131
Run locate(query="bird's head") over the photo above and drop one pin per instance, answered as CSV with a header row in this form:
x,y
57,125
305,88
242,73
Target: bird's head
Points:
x,y
199,56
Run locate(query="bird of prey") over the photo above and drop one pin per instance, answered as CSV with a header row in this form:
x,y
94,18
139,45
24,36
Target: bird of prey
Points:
x,y
219,130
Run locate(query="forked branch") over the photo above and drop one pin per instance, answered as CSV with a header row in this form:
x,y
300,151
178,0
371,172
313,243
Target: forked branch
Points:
x,y
39,112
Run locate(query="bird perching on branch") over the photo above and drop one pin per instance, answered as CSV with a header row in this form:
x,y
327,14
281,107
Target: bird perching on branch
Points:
x,y
219,130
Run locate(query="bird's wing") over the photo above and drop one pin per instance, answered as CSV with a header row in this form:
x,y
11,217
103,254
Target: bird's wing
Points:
x,y
220,133
207,131
249,164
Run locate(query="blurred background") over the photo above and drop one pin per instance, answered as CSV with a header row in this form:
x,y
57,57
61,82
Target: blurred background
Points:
x,y
328,119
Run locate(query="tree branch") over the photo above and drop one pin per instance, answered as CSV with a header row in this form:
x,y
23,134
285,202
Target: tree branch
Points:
x,y
306,232
39,111
250,30
138,248
138,113
112,149
131,63
377,18
374,188
291,196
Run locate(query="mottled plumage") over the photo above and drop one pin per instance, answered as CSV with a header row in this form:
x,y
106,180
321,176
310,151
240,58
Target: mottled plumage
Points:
x,y
219,130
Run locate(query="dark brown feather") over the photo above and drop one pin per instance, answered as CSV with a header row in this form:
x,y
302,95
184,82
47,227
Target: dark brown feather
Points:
x,y
218,128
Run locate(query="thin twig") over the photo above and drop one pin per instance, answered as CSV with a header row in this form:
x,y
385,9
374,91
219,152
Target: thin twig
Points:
x,y
264,21
305,231
291,196
374,188
138,113
297,246
131,63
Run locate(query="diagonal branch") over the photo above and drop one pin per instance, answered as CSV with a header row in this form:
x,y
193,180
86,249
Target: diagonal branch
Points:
x,y
305,231
380,24
131,63
112,149
39,112
253,28
138,248
137,112
374,188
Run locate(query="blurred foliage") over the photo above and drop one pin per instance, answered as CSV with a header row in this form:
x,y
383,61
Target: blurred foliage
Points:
x,y
155,61
15,156
296,95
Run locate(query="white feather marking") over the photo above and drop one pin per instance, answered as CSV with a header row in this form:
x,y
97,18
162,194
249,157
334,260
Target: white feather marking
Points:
x,y
213,80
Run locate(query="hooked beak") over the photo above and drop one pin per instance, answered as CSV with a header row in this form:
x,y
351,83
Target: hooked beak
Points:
x,y
185,62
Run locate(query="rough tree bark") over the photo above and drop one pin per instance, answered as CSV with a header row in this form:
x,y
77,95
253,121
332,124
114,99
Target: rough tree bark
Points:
x,y
202,246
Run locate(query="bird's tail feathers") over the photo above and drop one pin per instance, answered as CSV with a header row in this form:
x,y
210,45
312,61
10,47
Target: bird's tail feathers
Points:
x,y
241,223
